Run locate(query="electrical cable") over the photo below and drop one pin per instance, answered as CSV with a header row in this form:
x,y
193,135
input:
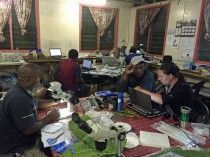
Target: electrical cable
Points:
x,y
184,133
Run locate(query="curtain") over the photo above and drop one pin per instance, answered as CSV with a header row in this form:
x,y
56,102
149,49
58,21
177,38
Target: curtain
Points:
x,y
207,19
5,8
102,19
146,16
23,11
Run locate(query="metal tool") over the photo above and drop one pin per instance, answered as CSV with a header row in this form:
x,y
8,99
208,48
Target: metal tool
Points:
x,y
51,141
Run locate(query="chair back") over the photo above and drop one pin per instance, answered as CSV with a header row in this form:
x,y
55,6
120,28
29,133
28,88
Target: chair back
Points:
x,y
197,87
199,112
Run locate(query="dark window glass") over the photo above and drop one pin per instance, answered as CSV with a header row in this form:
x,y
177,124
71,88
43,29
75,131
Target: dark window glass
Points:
x,y
89,33
153,38
22,42
203,49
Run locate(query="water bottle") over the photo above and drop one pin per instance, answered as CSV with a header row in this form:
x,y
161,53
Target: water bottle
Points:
x,y
120,102
187,60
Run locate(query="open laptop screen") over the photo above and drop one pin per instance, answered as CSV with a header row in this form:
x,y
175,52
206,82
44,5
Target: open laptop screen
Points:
x,y
86,64
108,60
55,52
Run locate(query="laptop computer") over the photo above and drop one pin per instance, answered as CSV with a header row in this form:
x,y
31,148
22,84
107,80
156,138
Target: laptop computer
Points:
x,y
142,103
55,53
108,60
86,65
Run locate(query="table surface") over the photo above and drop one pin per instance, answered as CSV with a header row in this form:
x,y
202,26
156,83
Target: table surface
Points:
x,y
139,124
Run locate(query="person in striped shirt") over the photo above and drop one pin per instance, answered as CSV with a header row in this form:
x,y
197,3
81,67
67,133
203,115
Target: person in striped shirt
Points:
x,y
68,73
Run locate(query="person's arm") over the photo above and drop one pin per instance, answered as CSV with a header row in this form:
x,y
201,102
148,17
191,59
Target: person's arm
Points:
x,y
44,104
78,76
154,96
52,116
24,117
122,84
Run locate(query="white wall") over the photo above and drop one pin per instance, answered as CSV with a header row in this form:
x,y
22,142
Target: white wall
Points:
x,y
192,9
59,23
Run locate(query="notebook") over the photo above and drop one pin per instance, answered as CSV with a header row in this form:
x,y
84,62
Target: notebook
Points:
x,y
108,60
55,53
142,103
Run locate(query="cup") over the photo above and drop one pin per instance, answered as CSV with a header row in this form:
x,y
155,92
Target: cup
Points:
x,y
112,105
184,118
97,68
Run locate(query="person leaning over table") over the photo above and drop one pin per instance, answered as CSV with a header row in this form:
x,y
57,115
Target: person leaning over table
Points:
x,y
136,74
177,92
20,128
115,52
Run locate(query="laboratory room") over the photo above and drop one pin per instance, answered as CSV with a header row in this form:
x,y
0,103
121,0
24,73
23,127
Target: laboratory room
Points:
x,y
89,78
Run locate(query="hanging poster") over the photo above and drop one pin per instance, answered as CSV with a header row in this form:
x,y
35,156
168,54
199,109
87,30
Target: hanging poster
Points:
x,y
185,28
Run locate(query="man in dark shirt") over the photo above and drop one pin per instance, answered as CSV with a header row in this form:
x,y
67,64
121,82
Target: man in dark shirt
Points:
x,y
136,74
68,73
18,113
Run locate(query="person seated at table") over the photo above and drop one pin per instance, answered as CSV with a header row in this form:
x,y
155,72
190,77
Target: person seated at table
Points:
x,y
68,73
132,53
136,74
20,128
177,92
122,51
115,52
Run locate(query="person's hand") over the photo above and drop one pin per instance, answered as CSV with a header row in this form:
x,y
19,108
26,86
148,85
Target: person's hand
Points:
x,y
53,115
129,69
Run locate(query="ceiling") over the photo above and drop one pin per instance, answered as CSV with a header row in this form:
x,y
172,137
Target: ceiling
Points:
x,y
140,2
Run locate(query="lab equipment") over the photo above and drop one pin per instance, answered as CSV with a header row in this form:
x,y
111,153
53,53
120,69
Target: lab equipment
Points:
x,y
57,93
51,141
101,133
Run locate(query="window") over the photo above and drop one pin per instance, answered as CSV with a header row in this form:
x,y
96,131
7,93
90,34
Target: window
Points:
x,y
89,37
12,31
153,37
202,48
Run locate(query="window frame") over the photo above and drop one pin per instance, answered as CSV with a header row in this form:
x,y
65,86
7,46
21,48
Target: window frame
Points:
x,y
197,40
80,27
37,30
168,5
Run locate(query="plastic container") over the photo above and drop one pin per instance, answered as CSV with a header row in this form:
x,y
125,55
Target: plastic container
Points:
x,y
120,102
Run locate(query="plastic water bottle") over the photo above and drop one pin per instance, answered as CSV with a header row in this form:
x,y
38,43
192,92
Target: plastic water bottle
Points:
x,y
120,102
187,60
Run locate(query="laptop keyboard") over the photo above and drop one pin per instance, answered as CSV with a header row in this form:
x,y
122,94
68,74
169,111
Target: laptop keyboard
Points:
x,y
155,111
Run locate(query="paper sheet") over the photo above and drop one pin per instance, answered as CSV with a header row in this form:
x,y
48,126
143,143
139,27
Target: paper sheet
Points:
x,y
153,139
46,136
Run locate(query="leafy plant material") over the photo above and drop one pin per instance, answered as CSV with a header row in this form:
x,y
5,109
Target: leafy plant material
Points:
x,y
126,113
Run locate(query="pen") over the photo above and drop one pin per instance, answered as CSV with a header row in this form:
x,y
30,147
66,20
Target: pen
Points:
x,y
71,148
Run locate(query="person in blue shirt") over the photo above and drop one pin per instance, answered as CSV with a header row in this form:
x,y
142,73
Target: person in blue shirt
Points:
x,y
136,74
132,53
